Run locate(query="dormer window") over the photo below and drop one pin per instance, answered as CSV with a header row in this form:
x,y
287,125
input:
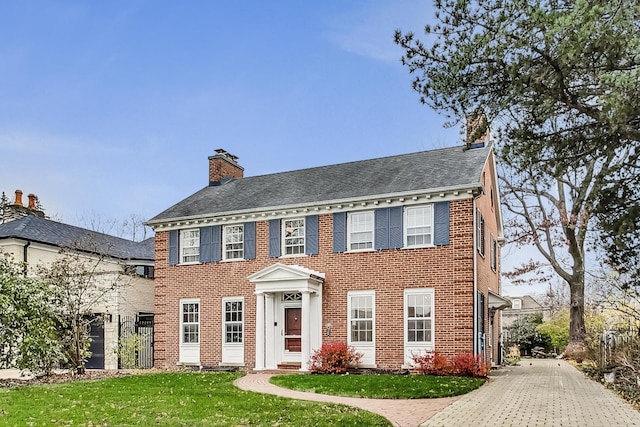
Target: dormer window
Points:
x,y
516,304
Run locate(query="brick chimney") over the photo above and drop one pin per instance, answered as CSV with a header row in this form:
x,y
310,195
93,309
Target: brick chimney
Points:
x,y
223,167
18,201
478,134
17,210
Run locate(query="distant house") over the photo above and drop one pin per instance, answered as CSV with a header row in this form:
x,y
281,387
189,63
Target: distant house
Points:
x,y
522,306
31,238
395,256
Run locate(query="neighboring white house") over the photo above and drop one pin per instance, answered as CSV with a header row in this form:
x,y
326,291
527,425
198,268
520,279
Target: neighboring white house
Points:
x,y
31,238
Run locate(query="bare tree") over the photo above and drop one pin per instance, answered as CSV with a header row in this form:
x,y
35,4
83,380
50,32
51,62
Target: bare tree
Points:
x,y
81,281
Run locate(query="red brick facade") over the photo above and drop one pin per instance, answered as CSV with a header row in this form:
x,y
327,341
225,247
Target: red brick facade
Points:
x,y
448,270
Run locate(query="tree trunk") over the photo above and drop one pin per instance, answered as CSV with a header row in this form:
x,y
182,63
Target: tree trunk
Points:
x,y
577,331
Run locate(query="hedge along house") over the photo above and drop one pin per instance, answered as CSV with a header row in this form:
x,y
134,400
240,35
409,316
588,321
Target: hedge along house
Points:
x,y
395,256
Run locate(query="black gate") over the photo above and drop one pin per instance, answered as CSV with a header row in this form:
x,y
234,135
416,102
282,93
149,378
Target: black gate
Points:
x,y
135,341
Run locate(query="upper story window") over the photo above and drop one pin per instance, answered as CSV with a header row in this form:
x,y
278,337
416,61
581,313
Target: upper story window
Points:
x,y
480,233
293,236
494,254
189,245
233,241
419,226
212,243
360,230
516,304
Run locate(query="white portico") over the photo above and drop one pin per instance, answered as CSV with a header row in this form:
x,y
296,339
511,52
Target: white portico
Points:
x,y
288,315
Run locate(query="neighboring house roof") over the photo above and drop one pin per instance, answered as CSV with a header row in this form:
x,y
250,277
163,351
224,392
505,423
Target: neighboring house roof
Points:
x,y
528,303
41,230
448,168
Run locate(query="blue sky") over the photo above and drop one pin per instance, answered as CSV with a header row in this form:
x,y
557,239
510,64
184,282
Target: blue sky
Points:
x,y
110,108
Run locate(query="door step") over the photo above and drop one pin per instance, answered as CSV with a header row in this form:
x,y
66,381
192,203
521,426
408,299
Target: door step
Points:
x,y
289,366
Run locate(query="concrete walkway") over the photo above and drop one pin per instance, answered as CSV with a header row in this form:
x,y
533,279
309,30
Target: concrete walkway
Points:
x,y
539,392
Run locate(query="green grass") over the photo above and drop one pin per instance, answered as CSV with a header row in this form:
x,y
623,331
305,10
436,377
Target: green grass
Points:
x,y
380,386
167,399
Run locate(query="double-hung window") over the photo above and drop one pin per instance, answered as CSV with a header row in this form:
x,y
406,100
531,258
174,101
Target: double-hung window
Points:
x,y
361,318
419,226
419,316
480,233
233,241
293,236
189,245
190,322
233,326
360,231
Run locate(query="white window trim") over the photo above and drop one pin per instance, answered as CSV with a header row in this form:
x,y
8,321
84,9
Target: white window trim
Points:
x,y
516,302
481,234
405,226
224,242
181,246
373,231
371,294
283,239
418,291
182,323
224,322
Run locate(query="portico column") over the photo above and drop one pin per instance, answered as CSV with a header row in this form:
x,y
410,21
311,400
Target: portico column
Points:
x,y
259,331
269,357
305,353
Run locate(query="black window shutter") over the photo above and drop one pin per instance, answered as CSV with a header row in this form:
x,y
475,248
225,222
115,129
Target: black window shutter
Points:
x,y
173,247
274,238
339,232
311,234
249,240
395,227
441,223
205,244
381,219
216,243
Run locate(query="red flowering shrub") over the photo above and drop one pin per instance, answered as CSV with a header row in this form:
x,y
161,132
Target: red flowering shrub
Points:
x,y
431,363
334,358
468,365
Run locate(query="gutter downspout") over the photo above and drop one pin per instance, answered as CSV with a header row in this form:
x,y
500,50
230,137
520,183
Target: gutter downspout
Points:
x,y
25,256
475,279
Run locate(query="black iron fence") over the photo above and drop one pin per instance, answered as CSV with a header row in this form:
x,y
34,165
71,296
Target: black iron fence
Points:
x,y
135,341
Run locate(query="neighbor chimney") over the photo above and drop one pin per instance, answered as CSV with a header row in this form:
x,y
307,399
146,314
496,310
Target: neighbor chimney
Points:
x,y
32,201
18,201
477,131
223,167
17,210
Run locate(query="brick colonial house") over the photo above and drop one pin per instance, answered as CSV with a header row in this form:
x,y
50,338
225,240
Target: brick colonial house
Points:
x,y
393,255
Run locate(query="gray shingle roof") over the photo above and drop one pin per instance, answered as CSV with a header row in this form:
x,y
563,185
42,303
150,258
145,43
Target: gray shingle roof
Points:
x,y
41,230
426,170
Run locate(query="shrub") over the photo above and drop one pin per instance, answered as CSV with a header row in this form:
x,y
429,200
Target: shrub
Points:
x,y
468,365
431,363
334,358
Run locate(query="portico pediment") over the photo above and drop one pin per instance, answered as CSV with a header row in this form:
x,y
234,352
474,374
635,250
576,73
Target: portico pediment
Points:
x,y
282,277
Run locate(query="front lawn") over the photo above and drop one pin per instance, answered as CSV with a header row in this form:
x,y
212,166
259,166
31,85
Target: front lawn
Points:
x,y
167,399
380,386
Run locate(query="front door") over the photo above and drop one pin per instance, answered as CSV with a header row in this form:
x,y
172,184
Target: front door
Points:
x,y
292,329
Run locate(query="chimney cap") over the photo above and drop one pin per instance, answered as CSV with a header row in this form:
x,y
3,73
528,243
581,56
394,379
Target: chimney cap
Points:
x,y
224,153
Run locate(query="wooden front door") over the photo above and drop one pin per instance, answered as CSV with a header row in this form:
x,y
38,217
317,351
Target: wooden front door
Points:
x,y
292,329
